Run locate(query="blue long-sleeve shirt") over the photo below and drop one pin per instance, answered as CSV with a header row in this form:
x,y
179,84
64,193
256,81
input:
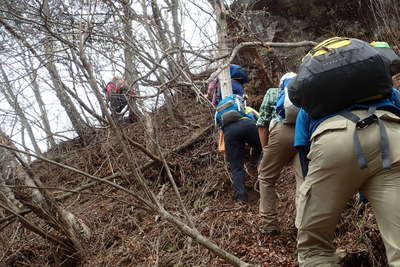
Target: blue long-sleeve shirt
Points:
x,y
305,125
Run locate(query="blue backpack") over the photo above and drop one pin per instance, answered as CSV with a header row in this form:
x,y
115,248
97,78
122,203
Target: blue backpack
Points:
x,y
284,107
230,109
280,110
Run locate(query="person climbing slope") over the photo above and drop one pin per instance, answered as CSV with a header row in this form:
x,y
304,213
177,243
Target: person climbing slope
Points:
x,y
238,125
276,132
348,129
117,92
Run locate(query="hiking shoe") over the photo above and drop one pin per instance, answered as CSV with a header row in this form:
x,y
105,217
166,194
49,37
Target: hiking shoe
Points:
x,y
273,232
240,203
251,169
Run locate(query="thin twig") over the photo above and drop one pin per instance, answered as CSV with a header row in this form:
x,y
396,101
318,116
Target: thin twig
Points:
x,y
118,174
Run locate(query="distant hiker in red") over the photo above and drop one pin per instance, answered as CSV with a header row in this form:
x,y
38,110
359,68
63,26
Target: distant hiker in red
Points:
x,y
117,92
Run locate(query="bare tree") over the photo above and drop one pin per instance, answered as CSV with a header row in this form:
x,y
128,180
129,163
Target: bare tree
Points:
x,y
60,88
161,34
79,125
89,40
225,76
129,57
39,100
12,100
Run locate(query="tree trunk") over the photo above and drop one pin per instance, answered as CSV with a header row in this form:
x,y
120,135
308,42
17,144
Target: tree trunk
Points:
x,y
78,123
43,112
225,76
13,101
91,78
151,136
7,166
76,59
165,45
181,60
130,74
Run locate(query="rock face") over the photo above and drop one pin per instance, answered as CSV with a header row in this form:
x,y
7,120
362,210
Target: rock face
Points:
x,y
292,21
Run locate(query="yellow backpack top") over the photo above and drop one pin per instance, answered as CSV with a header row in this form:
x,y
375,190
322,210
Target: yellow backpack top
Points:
x,y
328,45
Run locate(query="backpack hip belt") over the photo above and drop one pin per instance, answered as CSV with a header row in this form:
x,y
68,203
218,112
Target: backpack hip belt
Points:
x,y
362,124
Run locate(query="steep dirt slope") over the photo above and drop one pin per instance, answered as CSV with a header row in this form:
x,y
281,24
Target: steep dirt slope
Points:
x,y
124,235
127,236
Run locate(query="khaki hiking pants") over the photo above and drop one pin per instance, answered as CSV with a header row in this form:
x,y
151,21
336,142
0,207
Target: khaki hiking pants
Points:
x,y
278,153
334,176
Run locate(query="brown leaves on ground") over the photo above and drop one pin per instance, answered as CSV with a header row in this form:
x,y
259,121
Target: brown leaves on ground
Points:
x,y
125,235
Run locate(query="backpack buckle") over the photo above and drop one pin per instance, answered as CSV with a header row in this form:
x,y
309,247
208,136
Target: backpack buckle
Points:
x,y
364,123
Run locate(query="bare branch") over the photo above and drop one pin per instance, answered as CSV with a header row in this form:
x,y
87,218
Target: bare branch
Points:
x,y
257,44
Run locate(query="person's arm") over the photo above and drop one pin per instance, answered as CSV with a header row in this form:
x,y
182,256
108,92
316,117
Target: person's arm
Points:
x,y
266,113
263,133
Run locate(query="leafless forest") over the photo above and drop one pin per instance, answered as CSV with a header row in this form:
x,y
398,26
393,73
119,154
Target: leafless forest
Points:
x,y
81,188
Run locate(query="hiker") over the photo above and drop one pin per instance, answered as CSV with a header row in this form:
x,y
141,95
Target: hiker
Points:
x,y
276,131
349,138
116,95
238,125
334,176
238,76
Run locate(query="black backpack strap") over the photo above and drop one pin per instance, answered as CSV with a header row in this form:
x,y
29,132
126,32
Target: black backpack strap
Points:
x,y
385,150
362,162
363,123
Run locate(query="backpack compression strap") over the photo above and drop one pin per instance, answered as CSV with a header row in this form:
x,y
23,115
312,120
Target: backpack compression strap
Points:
x,y
363,123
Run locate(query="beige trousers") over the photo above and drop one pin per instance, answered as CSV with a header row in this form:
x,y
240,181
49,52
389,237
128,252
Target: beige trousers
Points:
x,y
334,176
278,153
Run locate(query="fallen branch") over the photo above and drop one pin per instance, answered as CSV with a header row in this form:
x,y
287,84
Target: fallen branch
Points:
x,y
45,207
232,259
145,151
36,229
113,176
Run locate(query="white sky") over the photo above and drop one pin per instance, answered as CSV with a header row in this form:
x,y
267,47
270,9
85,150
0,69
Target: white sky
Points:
x,y
199,31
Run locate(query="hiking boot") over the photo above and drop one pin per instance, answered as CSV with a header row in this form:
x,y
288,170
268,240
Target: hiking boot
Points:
x,y
251,169
240,203
271,232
